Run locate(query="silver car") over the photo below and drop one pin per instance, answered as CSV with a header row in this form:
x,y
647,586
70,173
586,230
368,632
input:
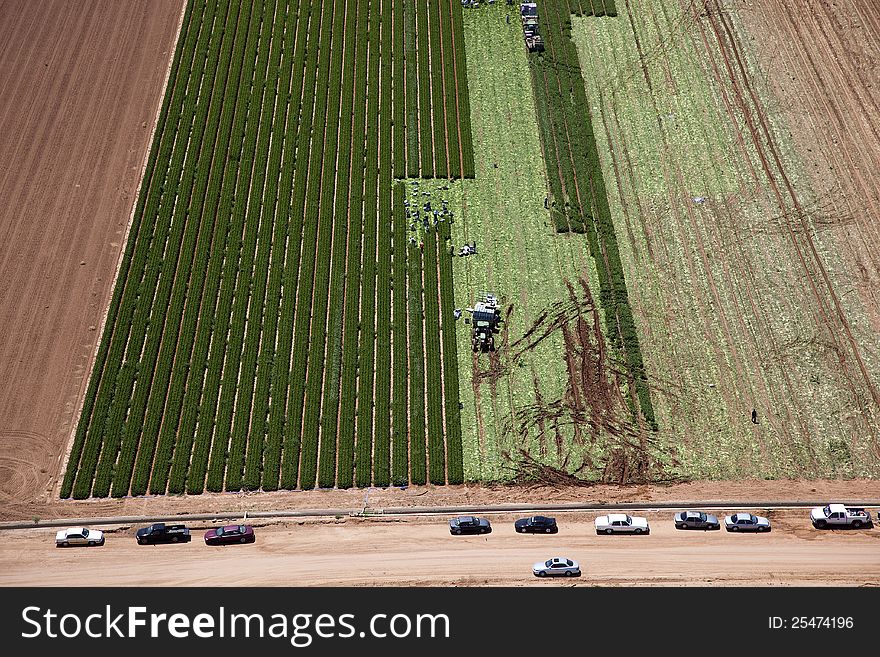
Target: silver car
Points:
x,y
696,520
746,522
557,566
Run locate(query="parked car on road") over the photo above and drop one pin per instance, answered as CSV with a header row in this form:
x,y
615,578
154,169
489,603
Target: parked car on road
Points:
x,y
79,536
557,566
162,533
695,520
746,522
230,534
838,515
536,525
621,523
469,525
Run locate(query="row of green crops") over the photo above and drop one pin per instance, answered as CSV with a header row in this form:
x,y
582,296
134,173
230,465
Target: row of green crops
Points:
x,y
399,395
432,134
578,197
417,463
261,334
451,412
433,373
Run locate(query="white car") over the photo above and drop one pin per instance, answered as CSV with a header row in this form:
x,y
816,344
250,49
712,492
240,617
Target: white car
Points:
x,y
557,566
79,536
746,522
621,523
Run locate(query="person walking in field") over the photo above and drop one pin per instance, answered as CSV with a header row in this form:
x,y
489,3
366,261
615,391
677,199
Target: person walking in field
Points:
x,y
754,416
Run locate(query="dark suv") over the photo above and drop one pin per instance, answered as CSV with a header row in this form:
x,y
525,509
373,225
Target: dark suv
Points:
x,y
162,533
469,525
536,525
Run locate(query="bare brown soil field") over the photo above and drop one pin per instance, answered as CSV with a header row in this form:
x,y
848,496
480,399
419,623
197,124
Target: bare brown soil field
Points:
x,y
821,61
80,84
369,552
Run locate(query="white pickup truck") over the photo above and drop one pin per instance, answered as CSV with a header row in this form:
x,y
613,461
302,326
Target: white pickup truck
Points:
x,y
838,515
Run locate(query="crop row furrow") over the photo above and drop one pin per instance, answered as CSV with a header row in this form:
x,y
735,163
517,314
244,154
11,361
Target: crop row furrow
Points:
x,y
399,417
411,87
426,123
398,55
468,168
348,383
329,443
258,214
367,348
438,100
444,17
451,414
433,368
321,287
277,97
417,456
382,449
294,222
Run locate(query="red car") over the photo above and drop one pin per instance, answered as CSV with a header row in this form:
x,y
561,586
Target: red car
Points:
x,y
230,534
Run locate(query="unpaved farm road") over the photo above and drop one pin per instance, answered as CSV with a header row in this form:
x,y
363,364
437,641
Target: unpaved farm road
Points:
x,y
421,552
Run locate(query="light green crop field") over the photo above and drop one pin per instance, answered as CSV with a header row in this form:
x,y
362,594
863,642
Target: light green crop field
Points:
x,y
518,404
724,253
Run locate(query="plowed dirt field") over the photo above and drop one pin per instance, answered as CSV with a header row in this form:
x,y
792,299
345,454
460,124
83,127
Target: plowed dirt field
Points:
x,y
80,84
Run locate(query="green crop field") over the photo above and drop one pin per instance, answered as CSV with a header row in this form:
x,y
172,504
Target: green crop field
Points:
x,y
264,285
291,311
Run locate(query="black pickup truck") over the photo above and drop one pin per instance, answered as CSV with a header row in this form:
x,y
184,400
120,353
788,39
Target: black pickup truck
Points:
x,y
162,533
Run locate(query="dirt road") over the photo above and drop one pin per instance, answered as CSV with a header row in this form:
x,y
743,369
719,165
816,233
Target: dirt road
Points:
x,y
420,551
80,83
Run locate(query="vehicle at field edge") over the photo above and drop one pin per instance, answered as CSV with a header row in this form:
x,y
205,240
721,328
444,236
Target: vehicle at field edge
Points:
x,y
840,515
746,522
536,525
79,536
230,534
469,525
161,533
696,520
621,523
556,567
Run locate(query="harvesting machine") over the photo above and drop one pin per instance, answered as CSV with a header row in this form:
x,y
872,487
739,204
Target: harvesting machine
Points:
x,y
528,12
486,319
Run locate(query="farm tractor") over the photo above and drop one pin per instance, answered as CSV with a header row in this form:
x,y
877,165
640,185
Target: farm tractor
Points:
x,y
528,12
486,319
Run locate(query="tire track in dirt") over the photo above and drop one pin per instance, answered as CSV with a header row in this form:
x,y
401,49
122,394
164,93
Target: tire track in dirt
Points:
x,y
674,179
849,136
731,52
743,269
743,266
